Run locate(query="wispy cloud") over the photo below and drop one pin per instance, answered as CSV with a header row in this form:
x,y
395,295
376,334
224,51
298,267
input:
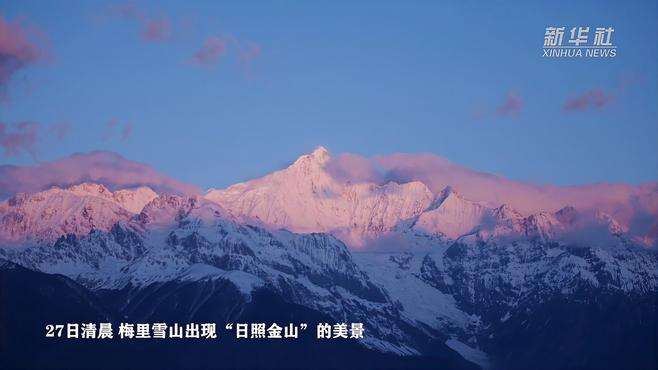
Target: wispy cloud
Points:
x,y
18,49
212,50
26,137
107,168
19,138
592,99
512,106
152,28
115,127
349,167
215,48
156,30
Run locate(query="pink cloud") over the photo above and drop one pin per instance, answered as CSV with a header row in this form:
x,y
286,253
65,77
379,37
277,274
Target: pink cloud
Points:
x,y
437,173
209,54
155,30
27,137
634,207
152,29
592,99
353,168
17,50
18,138
106,168
217,47
211,51
512,105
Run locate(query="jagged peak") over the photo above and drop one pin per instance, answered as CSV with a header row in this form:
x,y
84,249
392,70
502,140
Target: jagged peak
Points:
x,y
612,224
447,191
319,156
134,199
166,201
320,151
80,190
566,215
448,194
541,216
131,192
131,199
137,188
504,211
166,209
90,188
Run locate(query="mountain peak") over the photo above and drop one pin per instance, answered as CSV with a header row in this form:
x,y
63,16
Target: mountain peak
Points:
x,y
566,215
44,216
448,193
90,188
320,156
505,212
320,152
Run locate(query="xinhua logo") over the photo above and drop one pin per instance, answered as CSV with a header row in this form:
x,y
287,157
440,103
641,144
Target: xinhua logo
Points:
x,y
578,44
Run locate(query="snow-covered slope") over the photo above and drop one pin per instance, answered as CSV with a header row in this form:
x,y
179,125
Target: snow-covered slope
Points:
x,y
466,288
134,199
188,238
47,215
451,215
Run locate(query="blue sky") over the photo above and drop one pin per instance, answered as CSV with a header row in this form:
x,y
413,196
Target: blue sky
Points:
x,y
367,77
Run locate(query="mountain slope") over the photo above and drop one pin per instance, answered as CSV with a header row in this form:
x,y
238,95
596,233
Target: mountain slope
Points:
x,y
191,239
24,294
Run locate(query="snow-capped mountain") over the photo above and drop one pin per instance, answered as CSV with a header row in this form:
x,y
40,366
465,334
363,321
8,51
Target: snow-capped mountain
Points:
x,y
47,215
487,295
134,200
188,238
305,198
44,216
451,215
439,267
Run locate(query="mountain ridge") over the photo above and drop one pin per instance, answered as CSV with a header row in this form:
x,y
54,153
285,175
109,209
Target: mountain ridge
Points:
x,y
306,197
454,267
